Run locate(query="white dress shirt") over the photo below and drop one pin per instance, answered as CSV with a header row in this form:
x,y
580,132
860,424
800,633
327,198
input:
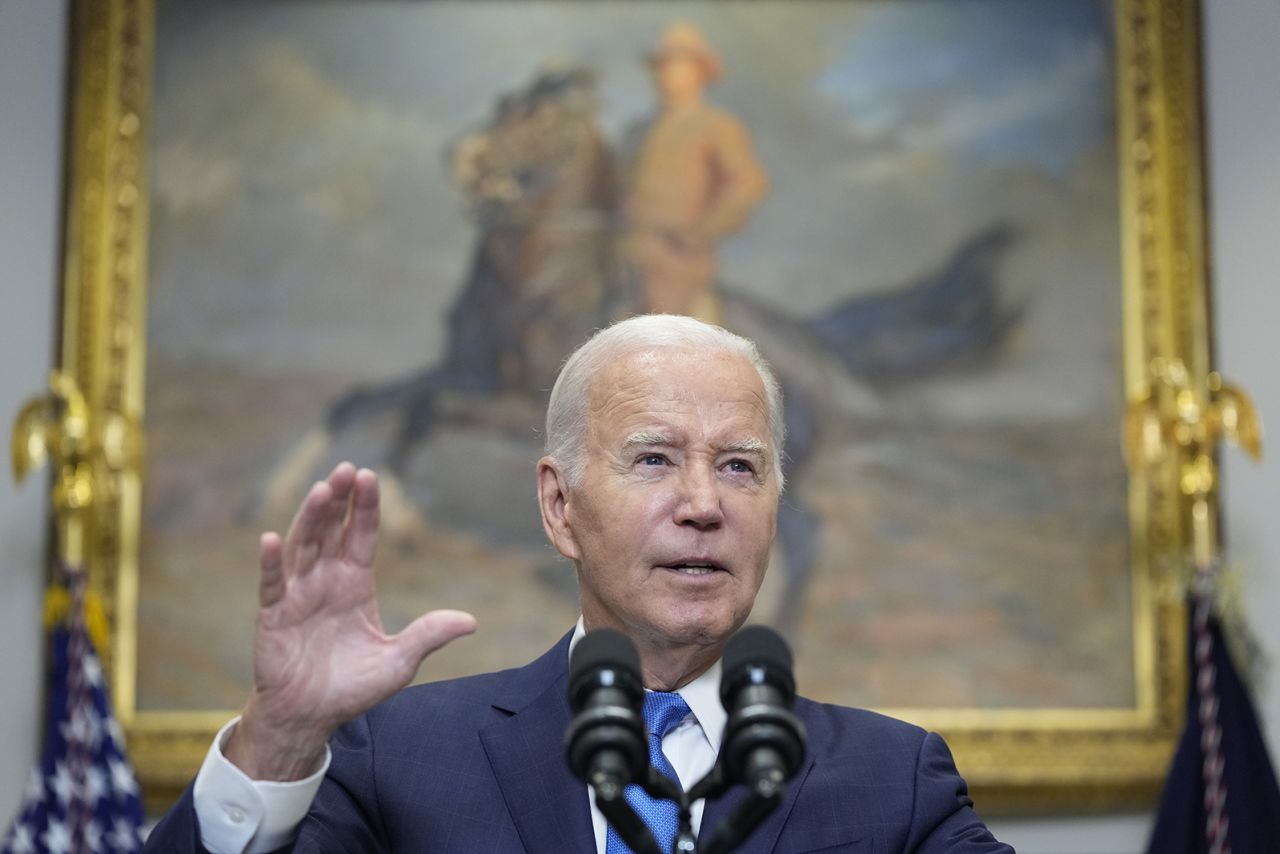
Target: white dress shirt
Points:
x,y
243,816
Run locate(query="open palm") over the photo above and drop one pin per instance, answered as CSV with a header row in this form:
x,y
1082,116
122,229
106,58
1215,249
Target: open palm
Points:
x,y
321,656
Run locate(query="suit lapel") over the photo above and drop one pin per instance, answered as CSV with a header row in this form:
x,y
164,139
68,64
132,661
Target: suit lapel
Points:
x,y
547,803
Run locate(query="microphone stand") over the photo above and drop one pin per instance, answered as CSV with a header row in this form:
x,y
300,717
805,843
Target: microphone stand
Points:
x,y
763,797
612,803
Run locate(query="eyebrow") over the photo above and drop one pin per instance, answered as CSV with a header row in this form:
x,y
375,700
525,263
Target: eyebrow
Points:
x,y
746,446
647,439
652,439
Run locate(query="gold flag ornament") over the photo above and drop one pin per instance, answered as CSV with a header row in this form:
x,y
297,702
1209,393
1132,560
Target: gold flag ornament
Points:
x,y
58,427
1176,417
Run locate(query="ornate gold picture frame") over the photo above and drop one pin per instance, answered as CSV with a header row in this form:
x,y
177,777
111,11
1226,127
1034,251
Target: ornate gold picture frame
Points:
x,y
1014,758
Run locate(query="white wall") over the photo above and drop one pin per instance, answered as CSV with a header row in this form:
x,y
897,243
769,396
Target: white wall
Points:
x,y
32,35
1243,124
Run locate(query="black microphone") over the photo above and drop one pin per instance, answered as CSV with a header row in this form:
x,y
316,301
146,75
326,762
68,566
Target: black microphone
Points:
x,y
607,741
763,740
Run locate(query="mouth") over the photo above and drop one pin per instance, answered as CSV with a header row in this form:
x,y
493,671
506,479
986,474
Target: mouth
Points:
x,y
694,567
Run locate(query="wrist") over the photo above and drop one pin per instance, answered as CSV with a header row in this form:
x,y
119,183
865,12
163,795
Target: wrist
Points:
x,y
278,751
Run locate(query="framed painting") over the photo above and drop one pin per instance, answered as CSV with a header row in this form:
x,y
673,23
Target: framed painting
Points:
x,y
304,232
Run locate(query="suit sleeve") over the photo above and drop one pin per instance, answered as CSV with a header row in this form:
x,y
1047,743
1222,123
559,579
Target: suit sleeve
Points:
x,y
343,816
943,820
178,831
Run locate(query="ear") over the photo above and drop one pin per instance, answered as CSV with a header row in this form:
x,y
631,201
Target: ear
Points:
x,y
553,501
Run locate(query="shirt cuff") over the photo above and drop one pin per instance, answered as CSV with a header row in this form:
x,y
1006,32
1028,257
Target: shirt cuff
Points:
x,y
238,815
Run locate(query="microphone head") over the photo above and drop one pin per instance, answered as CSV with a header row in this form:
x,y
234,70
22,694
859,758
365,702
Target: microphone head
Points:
x,y
606,744
763,742
755,655
603,658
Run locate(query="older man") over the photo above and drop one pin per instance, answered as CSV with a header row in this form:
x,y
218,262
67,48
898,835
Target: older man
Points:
x,y
661,484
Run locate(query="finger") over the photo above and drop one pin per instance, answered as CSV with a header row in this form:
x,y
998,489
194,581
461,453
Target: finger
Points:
x,y
430,632
340,480
271,569
302,540
362,528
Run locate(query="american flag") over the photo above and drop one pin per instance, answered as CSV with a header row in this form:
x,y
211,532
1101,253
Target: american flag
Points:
x,y
83,796
1221,796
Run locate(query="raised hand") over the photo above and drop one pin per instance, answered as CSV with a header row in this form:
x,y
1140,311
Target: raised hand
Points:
x,y
320,655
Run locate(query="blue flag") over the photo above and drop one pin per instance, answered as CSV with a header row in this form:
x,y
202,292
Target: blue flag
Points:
x,y
1221,795
83,797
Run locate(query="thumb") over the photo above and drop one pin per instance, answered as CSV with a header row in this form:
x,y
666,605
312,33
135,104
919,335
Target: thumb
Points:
x,y
431,631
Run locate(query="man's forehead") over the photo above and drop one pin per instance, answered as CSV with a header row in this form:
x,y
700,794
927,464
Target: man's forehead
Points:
x,y
667,381
664,368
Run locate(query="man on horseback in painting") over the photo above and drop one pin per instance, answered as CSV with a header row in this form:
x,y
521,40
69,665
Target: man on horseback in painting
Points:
x,y
694,180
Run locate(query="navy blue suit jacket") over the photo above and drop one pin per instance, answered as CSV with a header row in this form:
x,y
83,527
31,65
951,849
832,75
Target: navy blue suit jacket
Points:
x,y
477,765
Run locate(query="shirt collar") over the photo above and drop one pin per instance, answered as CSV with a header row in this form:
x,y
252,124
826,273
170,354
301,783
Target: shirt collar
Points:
x,y
702,695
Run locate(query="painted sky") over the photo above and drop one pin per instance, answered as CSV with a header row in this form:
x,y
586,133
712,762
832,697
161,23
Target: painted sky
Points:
x,y
299,182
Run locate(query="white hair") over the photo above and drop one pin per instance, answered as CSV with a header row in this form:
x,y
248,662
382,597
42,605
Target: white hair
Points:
x,y
566,437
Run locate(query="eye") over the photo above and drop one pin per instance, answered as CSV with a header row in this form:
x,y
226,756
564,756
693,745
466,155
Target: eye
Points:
x,y
652,460
740,466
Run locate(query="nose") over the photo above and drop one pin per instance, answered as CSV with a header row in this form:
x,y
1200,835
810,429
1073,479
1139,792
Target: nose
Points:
x,y
698,502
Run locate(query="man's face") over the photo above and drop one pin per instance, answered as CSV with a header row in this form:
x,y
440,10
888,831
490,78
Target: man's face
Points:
x,y
673,522
679,75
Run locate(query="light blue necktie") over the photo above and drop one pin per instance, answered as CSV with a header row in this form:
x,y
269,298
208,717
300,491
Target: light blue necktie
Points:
x,y
662,712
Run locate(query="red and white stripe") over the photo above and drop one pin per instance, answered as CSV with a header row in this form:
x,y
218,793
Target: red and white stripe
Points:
x,y
1215,788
